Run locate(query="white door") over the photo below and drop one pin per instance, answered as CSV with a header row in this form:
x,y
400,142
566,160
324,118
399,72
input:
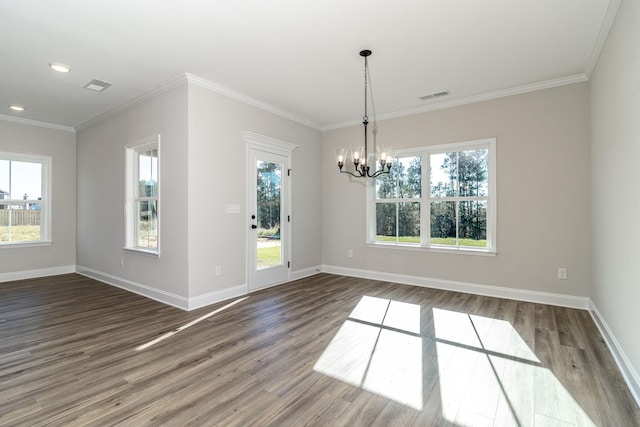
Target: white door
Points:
x,y
269,219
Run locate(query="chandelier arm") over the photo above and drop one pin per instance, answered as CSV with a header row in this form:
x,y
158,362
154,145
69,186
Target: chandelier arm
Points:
x,y
353,174
380,172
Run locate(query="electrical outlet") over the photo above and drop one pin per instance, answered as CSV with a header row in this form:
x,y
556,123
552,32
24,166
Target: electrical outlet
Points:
x,y
562,273
218,270
121,262
350,253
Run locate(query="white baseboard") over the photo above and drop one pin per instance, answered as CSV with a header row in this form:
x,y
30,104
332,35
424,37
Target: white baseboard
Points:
x,y
307,272
630,375
165,297
216,296
237,291
138,288
470,288
40,272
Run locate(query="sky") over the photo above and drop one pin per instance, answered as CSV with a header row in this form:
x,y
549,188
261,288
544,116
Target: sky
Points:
x,y
148,166
25,178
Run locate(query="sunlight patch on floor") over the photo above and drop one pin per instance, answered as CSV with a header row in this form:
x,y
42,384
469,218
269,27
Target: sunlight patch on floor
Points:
x,y
488,375
187,325
379,350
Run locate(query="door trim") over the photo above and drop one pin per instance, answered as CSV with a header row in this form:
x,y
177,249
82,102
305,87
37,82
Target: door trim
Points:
x,y
268,144
255,141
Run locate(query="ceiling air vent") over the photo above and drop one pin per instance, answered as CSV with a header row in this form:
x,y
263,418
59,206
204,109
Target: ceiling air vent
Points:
x,y
97,85
435,95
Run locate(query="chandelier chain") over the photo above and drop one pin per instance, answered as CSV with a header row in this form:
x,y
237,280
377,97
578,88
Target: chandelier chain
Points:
x,y
366,80
374,130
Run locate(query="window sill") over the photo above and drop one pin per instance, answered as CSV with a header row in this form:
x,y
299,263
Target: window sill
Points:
x,y
436,249
145,252
25,244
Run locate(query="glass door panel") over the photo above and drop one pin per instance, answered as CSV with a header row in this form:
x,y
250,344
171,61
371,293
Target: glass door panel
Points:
x,y
269,213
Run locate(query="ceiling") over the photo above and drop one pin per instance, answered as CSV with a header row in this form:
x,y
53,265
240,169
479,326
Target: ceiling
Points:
x,y
298,57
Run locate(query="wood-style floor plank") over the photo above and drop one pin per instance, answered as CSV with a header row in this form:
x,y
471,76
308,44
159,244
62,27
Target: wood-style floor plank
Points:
x,y
326,350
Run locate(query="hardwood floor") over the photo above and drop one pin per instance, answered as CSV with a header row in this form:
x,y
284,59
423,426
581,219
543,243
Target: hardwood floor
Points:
x,y
326,350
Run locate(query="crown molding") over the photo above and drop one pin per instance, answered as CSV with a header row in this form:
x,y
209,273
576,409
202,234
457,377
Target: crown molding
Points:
x,y
547,84
160,89
206,84
37,123
222,90
605,27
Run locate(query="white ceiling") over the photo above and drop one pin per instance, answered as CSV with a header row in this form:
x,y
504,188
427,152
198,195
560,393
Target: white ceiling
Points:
x,y
300,57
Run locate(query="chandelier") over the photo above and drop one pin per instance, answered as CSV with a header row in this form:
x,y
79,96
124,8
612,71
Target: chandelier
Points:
x,y
361,155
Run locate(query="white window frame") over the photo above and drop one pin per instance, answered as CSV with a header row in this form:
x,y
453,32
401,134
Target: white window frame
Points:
x,y
45,202
132,153
425,200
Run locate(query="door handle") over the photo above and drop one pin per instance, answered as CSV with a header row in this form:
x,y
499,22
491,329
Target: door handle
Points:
x,y
254,226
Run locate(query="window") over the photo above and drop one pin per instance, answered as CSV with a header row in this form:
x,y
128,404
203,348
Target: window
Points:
x,y
439,197
398,200
143,195
24,198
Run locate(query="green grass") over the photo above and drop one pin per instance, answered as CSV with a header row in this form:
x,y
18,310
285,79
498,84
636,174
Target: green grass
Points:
x,y
451,241
269,256
20,233
445,241
401,239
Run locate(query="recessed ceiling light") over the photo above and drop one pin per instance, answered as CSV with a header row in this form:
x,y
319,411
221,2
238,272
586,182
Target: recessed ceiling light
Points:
x,y
61,68
16,107
97,85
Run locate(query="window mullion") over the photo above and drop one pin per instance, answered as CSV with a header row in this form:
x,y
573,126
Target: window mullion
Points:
x,y
425,200
397,214
10,214
457,204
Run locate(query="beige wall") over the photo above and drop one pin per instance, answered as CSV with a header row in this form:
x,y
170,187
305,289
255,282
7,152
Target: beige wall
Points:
x,y
203,168
61,146
218,176
101,157
543,193
615,123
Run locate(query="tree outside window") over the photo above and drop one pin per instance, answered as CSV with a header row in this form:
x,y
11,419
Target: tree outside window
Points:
x,y
398,202
459,195
456,212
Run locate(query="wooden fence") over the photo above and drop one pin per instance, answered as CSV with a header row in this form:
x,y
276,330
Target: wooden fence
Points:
x,y
19,217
